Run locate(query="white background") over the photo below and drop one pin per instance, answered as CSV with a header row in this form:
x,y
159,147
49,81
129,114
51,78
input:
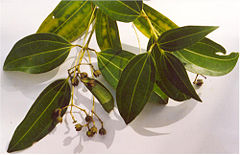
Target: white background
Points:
x,y
188,127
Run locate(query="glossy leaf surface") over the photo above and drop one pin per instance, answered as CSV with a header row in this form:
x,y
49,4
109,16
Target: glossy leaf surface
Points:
x,y
107,32
111,64
125,11
37,53
161,23
40,120
135,86
69,19
102,94
197,57
183,37
171,72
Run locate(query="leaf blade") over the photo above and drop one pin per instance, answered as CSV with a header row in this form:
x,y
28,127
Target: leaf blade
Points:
x,y
197,57
39,122
135,86
171,72
102,94
69,19
37,53
111,64
183,37
125,11
161,23
107,33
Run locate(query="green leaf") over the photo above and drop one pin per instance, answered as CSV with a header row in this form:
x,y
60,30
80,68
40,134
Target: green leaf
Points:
x,y
220,66
125,11
160,22
107,32
37,53
111,64
69,19
179,38
135,86
203,59
102,94
40,120
171,72
162,97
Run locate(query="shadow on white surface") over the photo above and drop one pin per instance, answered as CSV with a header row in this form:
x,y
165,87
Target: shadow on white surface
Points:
x,y
155,115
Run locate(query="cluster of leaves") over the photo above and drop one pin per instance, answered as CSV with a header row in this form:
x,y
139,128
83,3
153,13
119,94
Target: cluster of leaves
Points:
x,y
161,70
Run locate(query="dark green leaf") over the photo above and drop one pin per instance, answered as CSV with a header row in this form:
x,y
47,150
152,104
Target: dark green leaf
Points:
x,y
162,97
125,11
135,86
107,32
179,38
37,53
171,72
40,120
111,64
161,23
102,94
69,19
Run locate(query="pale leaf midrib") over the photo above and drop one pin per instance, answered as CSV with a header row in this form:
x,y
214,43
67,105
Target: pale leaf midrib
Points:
x,y
109,71
134,89
111,63
51,41
129,7
209,70
69,17
44,63
214,58
183,81
186,36
112,55
36,54
39,116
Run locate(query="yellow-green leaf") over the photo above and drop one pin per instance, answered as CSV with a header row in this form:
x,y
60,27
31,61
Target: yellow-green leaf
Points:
x,y
125,11
69,19
107,33
102,94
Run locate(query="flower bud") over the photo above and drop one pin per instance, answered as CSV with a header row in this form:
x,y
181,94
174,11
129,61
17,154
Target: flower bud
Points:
x,y
94,130
78,127
88,118
97,73
89,133
102,131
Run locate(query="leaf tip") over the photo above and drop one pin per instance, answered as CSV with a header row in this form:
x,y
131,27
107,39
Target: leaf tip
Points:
x,y
10,149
